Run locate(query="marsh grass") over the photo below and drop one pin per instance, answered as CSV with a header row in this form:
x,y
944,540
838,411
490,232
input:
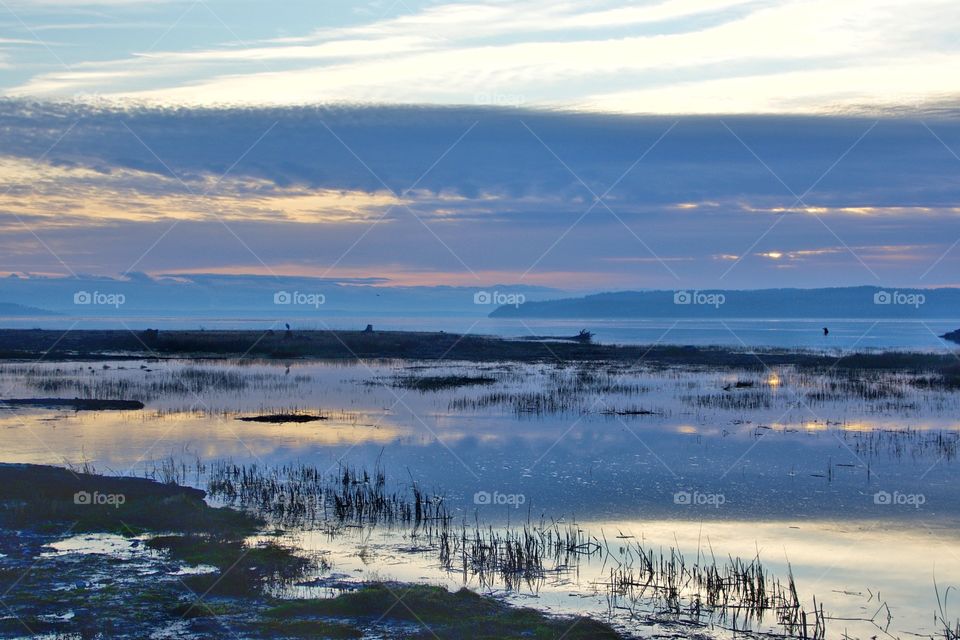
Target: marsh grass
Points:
x,y
560,389
949,628
513,557
425,384
741,593
303,496
745,401
143,382
940,445
576,389
736,593
631,410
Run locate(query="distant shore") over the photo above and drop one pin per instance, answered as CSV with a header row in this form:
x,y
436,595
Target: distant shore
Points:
x,y
88,344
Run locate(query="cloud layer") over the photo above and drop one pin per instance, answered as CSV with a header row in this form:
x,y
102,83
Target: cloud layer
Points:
x,y
477,196
667,56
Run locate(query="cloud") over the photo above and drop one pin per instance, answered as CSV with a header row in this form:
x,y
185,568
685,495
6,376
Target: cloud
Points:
x,y
486,154
18,41
460,195
787,56
70,195
861,86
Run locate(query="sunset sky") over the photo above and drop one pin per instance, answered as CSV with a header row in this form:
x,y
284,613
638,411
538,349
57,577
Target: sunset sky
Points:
x,y
579,145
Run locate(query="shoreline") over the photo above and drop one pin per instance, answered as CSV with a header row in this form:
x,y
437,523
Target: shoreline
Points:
x,y
112,344
205,573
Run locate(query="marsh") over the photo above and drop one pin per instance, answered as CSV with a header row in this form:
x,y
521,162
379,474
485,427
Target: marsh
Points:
x,y
648,496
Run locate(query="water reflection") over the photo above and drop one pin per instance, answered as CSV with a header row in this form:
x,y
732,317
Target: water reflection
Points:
x,y
856,569
818,473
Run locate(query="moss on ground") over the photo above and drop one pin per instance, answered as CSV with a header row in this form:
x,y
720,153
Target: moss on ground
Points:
x,y
309,629
442,614
45,497
113,597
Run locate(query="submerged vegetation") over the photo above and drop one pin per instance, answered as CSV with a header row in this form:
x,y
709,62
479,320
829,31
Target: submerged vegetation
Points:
x,y
135,385
437,383
737,592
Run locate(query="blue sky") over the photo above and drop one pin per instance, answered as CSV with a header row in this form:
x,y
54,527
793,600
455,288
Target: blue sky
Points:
x,y
578,145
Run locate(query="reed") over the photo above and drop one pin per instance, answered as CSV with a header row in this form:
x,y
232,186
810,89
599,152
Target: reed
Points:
x,y
736,592
303,496
949,628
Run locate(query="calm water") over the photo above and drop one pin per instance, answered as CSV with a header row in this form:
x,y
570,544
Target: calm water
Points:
x,y
851,483
806,334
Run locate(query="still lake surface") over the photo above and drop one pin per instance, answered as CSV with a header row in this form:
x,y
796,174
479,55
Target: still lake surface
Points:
x,y
849,482
860,334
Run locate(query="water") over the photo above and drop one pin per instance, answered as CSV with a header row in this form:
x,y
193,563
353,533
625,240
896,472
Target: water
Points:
x,y
860,334
850,482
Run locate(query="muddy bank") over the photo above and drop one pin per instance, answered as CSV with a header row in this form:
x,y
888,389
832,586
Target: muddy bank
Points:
x,y
76,404
17,344
83,555
282,418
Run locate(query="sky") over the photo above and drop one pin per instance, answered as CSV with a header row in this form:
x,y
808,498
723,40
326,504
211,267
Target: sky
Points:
x,y
584,146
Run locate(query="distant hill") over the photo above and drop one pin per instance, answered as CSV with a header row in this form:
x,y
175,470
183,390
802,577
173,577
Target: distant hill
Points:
x,y
842,302
251,296
11,309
